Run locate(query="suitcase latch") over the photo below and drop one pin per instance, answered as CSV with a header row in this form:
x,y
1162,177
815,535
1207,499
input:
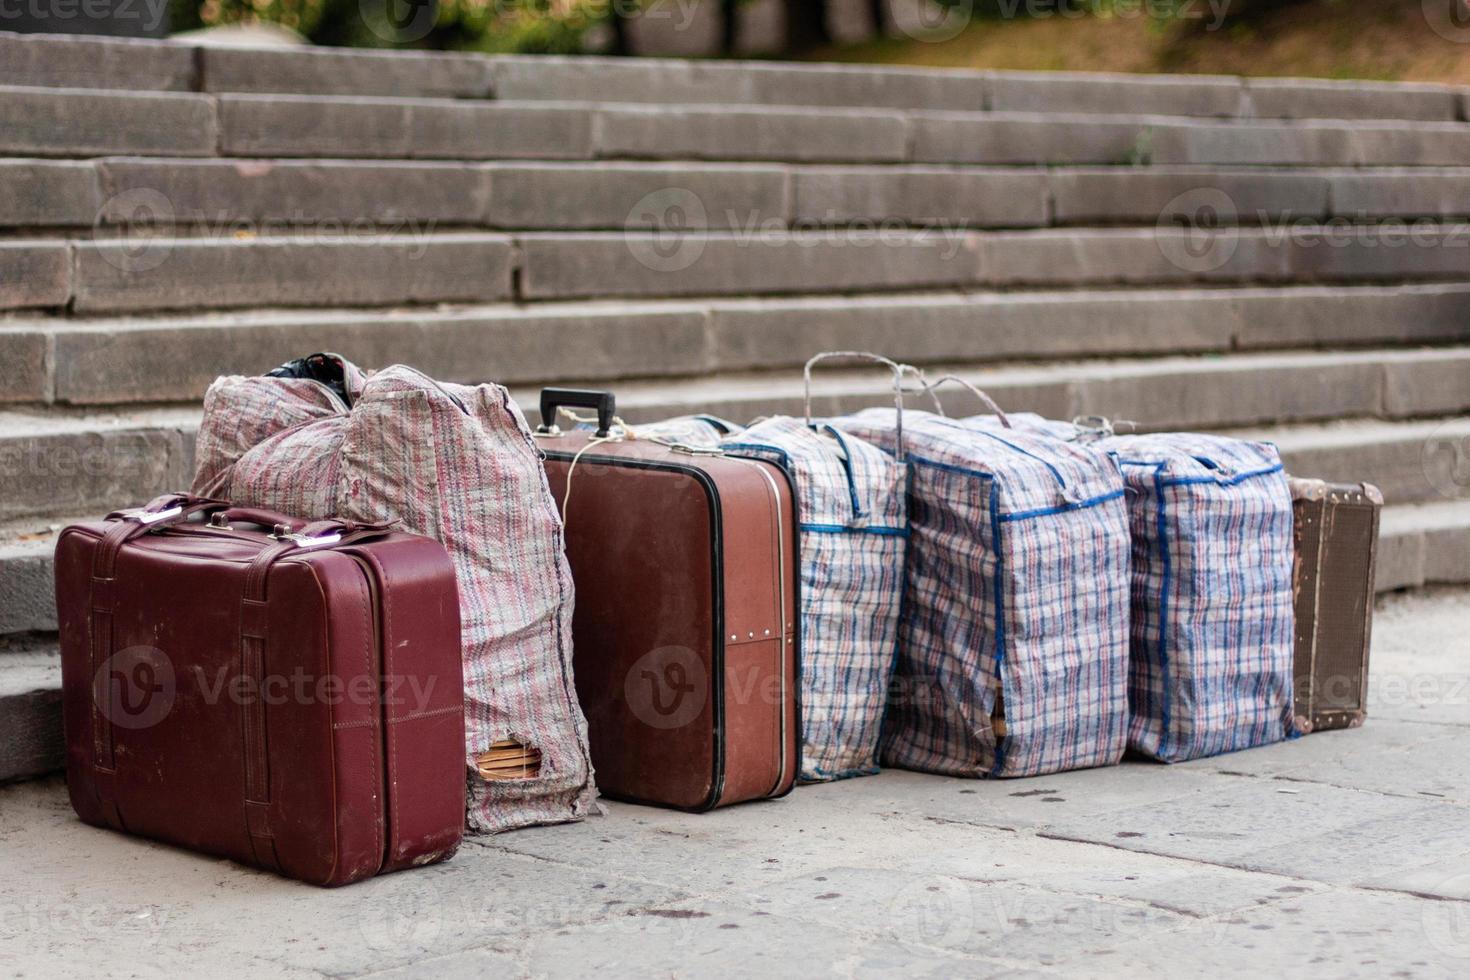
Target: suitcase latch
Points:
x,y
147,517
307,541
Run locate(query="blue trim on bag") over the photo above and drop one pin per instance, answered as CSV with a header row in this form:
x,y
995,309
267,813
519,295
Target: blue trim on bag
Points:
x,y
893,532
903,612
1056,473
758,447
1000,624
857,507
1168,582
1046,511
1175,481
1023,515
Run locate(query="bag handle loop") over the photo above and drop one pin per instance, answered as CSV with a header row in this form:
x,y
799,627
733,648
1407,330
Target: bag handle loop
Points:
x,y
898,374
930,387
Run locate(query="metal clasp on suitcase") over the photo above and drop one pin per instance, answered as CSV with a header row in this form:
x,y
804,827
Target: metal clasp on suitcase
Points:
x,y
147,517
679,447
282,533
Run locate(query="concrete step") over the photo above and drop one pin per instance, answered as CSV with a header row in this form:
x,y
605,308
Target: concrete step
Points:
x,y
1411,462
57,462
305,126
1424,544
78,122
320,267
333,267
31,742
671,80
60,461
71,122
111,361
98,63
639,264
247,195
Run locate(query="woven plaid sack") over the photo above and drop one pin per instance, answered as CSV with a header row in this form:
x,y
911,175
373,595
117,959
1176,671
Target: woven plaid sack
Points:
x,y
695,431
1013,653
1212,594
851,498
456,463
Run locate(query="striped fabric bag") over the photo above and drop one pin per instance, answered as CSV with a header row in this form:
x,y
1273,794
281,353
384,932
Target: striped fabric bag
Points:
x,y
1212,594
854,524
456,463
695,431
1013,655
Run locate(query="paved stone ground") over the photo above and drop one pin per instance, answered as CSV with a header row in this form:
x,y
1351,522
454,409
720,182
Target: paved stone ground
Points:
x,y
1338,855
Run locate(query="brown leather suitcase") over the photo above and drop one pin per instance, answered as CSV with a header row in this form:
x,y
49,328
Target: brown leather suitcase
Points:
x,y
685,631
292,700
1336,548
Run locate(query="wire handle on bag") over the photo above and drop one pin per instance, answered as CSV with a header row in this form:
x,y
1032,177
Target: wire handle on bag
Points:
x,y
931,386
898,373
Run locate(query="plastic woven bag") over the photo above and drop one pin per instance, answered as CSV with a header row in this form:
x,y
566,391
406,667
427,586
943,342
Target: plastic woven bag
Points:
x,y
1014,648
456,463
854,525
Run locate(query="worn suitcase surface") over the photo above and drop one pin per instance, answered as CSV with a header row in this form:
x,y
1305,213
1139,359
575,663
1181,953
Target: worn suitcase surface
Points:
x,y
1336,528
290,701
685,631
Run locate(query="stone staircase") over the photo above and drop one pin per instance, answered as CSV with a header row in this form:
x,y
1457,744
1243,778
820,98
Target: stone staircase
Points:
x,y
1285,258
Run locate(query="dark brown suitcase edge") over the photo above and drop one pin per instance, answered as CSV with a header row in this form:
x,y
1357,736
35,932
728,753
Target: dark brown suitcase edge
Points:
x,y
717,640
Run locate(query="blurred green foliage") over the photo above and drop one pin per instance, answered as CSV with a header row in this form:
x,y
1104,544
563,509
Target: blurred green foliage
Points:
x,y
533,26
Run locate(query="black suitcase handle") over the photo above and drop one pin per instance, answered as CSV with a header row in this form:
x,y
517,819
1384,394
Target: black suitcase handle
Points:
x,y
554,398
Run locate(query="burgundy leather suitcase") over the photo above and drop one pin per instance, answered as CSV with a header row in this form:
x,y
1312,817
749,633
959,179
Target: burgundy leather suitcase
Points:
x,y
292,700
685,630
1336,548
